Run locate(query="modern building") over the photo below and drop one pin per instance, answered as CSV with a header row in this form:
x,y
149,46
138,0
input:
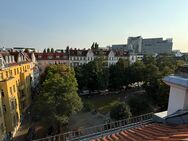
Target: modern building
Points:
x,y
146,46
119,47
156,45
135,44
15,84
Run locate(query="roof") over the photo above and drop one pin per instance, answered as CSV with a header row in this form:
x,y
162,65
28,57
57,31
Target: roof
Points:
x,y
78,52
50,56
150,132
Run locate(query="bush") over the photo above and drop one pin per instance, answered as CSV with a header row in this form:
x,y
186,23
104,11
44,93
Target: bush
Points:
x,y
139,105
120,111
88,106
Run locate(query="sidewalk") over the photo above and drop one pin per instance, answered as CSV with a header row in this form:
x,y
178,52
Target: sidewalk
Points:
x,y
21,133
23,130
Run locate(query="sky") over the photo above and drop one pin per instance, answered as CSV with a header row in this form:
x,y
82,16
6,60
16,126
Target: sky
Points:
x,y
78,23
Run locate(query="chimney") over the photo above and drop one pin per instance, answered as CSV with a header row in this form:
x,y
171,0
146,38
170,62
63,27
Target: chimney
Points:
x,y
178,98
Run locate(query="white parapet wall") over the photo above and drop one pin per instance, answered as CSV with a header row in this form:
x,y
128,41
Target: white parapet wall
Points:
x,y
178,98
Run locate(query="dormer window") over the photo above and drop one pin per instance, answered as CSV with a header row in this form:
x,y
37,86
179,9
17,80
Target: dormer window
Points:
x,y
39,56
58,56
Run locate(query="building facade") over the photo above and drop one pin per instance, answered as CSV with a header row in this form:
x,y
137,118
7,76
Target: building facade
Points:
x,y
156,45
151,46
76,57
2,122
15,85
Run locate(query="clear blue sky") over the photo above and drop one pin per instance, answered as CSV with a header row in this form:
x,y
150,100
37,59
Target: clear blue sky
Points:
x,y
78,23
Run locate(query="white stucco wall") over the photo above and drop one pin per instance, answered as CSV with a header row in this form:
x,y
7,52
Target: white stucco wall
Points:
x,y
177,99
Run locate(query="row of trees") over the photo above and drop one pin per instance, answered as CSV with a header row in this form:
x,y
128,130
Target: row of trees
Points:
x,y
58,99
96,76
49,50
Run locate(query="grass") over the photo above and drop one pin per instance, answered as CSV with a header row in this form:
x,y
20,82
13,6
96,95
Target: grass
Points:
x,y
103,103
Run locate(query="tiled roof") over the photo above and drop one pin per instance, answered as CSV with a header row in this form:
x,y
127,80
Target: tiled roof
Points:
x,y
50,56
150,132
77,52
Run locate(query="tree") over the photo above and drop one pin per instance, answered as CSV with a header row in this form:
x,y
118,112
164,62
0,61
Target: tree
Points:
x,y
148,59
26,50
119,74
48,50
52,50
59,98
139,105
120,111
95,46
93,76
44,51
136,72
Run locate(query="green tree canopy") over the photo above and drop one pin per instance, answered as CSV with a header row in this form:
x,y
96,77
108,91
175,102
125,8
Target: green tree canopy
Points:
x,y
48,50
59,98
119,74
139,105
44,51
93,76
52,50
120,111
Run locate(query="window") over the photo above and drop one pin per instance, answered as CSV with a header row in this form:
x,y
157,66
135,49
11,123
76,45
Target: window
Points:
x,y
4,108
12,105
14,121
7,74
2,93
1,76
14,71
10,72
10,90
17,70
50,57
14,88
39,56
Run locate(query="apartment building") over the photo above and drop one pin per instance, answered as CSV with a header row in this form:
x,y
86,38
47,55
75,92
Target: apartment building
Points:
x,y
44,59
76,57
15,85
2,122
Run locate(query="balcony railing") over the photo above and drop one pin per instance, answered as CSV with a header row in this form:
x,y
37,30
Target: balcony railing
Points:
x,y
101,130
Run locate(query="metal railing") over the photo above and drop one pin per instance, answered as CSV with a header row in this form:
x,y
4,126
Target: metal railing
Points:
x,y
100,130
